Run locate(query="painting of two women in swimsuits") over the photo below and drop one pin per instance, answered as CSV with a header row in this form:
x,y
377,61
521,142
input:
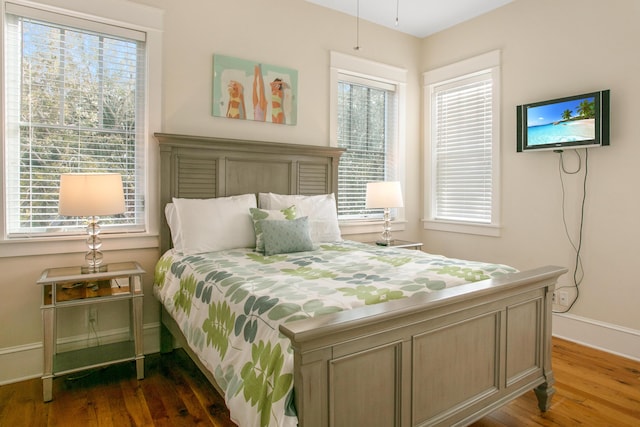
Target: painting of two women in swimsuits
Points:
x,y
272,91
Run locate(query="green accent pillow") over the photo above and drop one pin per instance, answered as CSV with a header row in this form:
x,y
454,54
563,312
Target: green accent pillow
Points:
x,y
263,214
286,236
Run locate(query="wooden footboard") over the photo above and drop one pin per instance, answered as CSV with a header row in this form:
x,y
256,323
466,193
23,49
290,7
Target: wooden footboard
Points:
x,y
447,358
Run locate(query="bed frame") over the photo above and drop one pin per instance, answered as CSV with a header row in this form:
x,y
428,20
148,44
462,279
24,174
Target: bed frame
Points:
x,y
447,358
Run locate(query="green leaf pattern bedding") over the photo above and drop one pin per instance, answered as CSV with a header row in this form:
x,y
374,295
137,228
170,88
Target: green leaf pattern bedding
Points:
x,y
229,305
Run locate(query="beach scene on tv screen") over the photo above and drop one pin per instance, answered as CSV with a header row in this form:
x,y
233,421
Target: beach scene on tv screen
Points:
x,y
566,121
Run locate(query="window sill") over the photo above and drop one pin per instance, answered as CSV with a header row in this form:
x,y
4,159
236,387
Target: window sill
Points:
x,y
367,227
490,230
74,244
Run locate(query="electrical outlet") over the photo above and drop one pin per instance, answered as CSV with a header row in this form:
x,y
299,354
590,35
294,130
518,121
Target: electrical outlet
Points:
x,y
92,316
554,297
563,298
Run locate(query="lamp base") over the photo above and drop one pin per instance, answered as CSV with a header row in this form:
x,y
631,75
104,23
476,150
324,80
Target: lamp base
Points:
x,y
385,237
87,269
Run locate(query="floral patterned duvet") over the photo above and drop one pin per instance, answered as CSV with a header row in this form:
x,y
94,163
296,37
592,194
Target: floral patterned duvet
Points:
x,y
229,305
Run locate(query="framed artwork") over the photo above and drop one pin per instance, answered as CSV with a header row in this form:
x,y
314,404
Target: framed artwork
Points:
x,y
249,90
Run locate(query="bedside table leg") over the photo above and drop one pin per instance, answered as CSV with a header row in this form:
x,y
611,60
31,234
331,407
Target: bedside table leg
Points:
x,y
140,367
138,335
47,388
48,331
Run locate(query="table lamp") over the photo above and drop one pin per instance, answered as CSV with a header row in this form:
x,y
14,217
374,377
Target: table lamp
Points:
x,y
385,195
91,195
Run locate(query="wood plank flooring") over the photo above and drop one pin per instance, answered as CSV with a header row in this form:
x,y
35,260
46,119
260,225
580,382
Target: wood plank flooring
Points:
x,y
593,388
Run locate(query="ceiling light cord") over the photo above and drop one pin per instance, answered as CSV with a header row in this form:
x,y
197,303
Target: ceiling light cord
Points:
x,y
357,46
397,11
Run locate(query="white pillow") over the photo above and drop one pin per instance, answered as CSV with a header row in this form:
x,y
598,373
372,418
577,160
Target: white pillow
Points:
x,y
174,225
320,209
217,224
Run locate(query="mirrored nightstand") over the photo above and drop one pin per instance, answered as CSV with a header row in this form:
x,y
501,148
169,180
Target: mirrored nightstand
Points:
x,y
69,287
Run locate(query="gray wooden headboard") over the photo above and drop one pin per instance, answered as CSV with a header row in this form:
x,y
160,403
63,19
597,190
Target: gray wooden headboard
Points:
x,y
205,167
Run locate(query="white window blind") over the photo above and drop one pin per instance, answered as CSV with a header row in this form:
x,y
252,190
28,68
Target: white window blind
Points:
x,y
462,150
74,103
367,129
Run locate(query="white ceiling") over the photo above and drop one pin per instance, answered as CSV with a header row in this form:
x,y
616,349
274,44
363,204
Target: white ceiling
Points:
x,y
417,17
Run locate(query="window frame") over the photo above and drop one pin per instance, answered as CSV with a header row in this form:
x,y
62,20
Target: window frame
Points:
x,y
135,17
358,69
447,75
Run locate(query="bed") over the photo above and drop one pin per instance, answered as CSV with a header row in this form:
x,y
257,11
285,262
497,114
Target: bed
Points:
x,y
444,351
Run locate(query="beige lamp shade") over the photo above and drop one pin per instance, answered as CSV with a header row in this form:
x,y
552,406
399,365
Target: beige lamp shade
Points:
x,y
385,194
91,194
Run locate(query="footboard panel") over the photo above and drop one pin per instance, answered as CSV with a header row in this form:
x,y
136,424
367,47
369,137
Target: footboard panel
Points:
x,y
454,366
375,372
445,359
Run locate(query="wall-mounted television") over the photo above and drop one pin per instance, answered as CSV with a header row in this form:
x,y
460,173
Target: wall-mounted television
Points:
x,y
579,121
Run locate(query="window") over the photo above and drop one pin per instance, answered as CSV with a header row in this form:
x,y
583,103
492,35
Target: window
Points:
x,y
75,97
366,124
366,121
463,146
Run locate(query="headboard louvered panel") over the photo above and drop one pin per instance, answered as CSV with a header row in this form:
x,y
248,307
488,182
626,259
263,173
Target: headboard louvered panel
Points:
x,y
196,178
204,167
313,178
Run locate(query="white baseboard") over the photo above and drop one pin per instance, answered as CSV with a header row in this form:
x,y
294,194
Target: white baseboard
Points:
x,y
25,362
20,363
603,336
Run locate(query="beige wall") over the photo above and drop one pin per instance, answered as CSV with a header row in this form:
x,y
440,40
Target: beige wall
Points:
x,y
288,33
552,49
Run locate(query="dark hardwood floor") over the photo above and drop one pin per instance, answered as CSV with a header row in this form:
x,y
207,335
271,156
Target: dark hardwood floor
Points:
x,y
593,388
173,393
